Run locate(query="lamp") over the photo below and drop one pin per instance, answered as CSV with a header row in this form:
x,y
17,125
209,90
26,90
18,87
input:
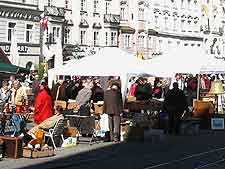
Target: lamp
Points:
x,y
216,88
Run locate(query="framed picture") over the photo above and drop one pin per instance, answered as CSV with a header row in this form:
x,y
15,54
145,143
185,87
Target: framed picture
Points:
x,y
217,123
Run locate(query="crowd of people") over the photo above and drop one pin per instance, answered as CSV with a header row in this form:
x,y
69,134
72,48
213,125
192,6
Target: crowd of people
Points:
x,y
84,91
177,93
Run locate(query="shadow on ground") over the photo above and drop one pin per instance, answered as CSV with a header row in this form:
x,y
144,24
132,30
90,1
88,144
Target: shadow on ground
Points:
x,y
140,155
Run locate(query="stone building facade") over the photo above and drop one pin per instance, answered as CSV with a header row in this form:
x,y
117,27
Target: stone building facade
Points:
x,y
154,27
21,19
95,24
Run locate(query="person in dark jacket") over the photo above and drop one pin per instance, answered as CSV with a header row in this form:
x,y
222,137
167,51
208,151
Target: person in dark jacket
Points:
x,y
174,104
113,106
97,92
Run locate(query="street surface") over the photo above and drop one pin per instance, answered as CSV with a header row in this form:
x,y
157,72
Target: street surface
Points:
x,y
206,151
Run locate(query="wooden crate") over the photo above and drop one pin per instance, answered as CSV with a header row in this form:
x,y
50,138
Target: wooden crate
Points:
x,y
12,147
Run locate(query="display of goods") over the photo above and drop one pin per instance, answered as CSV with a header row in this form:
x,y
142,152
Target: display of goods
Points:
x,y
61,103
34,153
202,108
72,105
131,99
151,105
71,132
98,108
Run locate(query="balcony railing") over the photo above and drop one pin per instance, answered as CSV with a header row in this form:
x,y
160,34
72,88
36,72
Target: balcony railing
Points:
x,y
54,11
111,18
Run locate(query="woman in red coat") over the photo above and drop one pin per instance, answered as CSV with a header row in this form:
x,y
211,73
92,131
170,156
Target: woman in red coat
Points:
x,y
43,107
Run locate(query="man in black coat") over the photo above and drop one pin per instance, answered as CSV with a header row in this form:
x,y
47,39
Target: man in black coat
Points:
x,y
174,104
113,106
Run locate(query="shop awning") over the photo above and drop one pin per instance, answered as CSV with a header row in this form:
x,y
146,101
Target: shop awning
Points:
x,y
12,69
3,57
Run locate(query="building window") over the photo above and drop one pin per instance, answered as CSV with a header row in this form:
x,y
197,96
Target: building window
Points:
x,y
11,30
47,35
96,38
113,39
83,5
29,32
58,32
107,7
141,40
66,4
82,37
141,14
95,6
122,14
127,41
189,5
166,23
182,4
106,39
67,35
182,26
55,33
174,24
156,21
49,2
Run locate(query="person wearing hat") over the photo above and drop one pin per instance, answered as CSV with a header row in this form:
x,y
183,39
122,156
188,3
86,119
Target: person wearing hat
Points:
x,y
113,106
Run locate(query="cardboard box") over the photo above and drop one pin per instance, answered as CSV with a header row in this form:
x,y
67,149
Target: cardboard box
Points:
x,y
33,153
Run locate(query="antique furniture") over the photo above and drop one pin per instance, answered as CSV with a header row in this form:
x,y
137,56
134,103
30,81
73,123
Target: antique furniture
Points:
x,y
12,146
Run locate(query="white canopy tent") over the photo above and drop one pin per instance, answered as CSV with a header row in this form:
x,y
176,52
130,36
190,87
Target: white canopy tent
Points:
x,y
106,62
117,62
182,60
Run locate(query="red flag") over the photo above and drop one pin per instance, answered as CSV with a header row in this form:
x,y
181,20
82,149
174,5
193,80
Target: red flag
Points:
x,y
44,22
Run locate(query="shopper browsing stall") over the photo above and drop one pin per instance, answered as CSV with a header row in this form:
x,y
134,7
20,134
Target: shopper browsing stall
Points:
x,y
113,106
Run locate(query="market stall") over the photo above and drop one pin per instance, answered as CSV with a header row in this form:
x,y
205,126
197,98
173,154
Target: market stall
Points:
x,y
106,62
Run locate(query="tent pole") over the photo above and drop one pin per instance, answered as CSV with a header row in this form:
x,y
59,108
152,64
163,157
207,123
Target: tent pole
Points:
x,y
198,87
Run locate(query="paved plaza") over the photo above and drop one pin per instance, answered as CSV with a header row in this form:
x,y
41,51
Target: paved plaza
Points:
x,y
206,151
